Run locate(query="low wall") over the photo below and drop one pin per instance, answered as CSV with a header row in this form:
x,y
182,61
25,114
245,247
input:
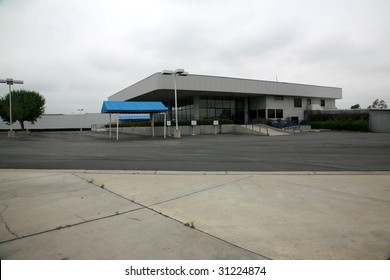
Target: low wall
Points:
x,y
61,121
207,129
185,130
380,120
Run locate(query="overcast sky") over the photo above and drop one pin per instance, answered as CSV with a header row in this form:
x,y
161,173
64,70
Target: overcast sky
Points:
x,y
77,53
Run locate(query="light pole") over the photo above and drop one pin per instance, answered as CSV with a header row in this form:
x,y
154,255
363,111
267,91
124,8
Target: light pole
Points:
x,y
10,82
81,129
177,72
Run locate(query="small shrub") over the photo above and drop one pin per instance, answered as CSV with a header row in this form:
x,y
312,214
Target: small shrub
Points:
x,y
342,124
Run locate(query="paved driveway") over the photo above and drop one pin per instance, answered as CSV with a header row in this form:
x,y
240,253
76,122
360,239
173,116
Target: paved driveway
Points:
x,y
324,151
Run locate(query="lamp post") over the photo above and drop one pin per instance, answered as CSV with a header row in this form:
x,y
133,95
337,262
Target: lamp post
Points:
x,y
81,129
177,72
10,82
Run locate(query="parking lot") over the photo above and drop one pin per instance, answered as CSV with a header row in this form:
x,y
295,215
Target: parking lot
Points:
x,y
313,151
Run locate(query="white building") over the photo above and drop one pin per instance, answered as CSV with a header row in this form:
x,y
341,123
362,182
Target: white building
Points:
x,y
241,100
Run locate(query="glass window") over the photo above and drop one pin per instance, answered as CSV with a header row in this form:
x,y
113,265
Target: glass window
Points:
x,y
211,113
203,113
218,113
219,107
202,103
279,113
262,113
226,103
309,101
271,113
240,104
298,102
278,97
322,102
218,102
210,103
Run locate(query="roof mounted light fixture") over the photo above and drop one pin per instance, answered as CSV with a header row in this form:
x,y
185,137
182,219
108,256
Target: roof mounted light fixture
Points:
x,y
179,71
166,72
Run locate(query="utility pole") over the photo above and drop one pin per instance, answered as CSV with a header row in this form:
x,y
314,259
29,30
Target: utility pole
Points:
x,y
10,82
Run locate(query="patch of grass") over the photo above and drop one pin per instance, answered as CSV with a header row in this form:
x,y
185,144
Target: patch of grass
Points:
x,y
62,227
91,181
190,224
102,186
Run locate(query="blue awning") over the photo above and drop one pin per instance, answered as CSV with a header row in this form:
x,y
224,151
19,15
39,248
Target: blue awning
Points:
x,y
132,107
134,118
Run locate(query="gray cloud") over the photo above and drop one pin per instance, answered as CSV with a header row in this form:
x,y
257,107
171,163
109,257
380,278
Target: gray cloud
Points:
x,y
77,53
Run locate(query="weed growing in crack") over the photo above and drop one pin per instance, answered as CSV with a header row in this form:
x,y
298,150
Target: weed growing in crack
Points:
x,y
190,224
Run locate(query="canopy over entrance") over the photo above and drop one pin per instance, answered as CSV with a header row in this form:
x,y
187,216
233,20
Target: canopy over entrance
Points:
x,y
133,107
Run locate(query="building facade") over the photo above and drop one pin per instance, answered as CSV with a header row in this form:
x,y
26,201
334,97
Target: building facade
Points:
x,y
241,100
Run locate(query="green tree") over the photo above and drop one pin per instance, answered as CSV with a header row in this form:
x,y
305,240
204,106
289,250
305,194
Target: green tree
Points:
x,y
378,104
26,106
356,106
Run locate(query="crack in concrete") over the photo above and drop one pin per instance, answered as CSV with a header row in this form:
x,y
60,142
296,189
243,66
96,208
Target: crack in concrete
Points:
x,y
2,220
70,225
31,177
50,193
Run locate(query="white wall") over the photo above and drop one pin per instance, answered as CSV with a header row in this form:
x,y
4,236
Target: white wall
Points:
x,y
64,121
380,120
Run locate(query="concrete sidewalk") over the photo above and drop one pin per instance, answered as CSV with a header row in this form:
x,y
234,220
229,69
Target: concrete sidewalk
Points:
x,y
81,214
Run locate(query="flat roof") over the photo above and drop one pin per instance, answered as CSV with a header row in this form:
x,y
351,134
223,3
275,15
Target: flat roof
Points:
x,y
153,87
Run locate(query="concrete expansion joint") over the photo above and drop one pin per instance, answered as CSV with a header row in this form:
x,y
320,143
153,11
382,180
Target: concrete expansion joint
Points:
x,y
216,173
65,226
91,181
204,172
200,191
142,206
228,242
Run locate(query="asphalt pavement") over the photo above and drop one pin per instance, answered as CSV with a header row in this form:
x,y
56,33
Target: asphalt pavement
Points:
x,y
312,151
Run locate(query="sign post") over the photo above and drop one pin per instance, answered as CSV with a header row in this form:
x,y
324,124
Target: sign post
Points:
x,y
215,123
193,123
169,123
